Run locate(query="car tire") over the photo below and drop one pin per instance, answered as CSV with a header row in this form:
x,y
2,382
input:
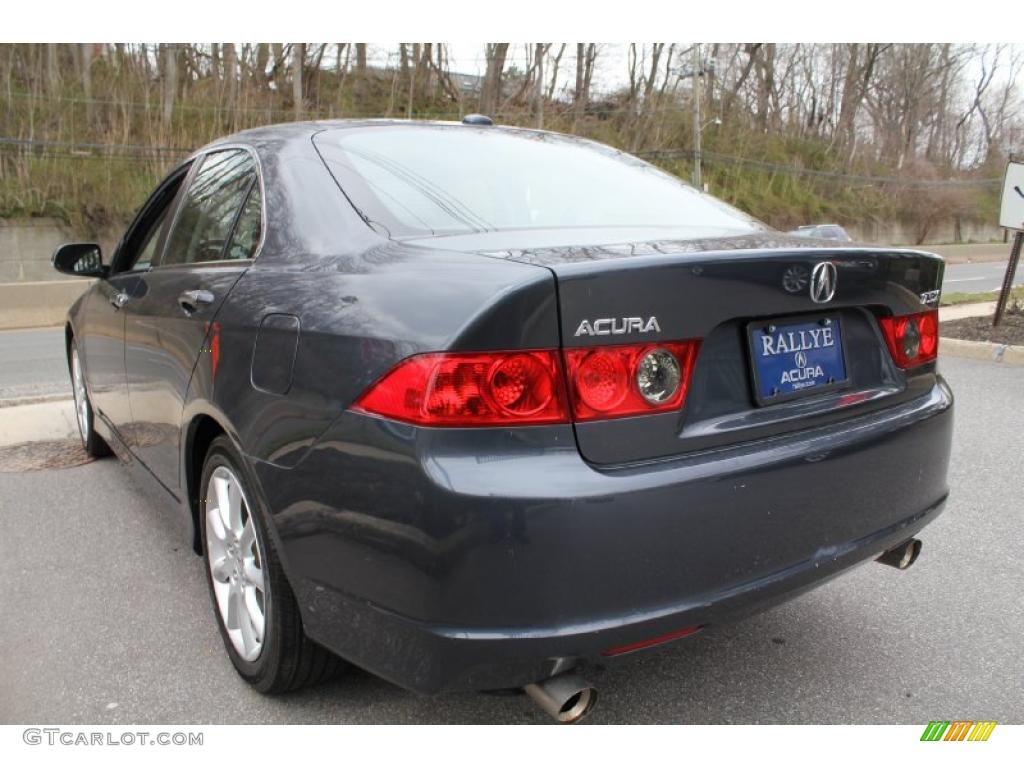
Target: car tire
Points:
x,y
261,627
93,444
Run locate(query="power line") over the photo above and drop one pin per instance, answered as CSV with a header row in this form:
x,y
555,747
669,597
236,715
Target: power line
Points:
x,y
794,170
78,146
93,150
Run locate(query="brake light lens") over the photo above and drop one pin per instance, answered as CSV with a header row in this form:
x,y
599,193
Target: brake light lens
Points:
x,y
472,390
912,339
629,380
653,641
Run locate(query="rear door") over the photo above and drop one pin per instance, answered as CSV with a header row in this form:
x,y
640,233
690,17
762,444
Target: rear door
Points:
x,y
169,323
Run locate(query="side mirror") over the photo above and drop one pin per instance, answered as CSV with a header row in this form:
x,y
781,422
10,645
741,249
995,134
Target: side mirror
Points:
x,y
79,260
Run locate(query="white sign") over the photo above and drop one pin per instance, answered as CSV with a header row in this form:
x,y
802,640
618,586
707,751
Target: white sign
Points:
x,y
1011,212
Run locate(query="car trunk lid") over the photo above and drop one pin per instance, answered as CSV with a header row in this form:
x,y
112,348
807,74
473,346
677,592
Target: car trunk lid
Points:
x,y
727,291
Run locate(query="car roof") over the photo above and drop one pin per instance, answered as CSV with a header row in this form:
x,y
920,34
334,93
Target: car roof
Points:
x,y
307,128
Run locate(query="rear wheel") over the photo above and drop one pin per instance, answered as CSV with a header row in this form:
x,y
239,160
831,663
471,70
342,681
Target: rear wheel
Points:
x,y
94,444
256,610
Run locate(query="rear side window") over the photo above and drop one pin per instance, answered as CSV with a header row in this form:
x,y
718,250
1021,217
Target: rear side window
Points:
x,y
210,208
246,236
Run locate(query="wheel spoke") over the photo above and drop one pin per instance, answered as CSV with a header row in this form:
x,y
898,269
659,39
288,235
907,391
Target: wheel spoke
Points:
x,y
215,525
254,612
248,536
221,486
234,507
235,607
245,625
253,573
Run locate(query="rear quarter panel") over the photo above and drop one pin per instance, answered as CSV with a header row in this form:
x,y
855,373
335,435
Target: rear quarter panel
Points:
x,y
357,317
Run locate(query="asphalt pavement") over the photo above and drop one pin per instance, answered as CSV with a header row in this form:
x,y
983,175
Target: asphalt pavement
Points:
x,y
973,278
33,363
106,618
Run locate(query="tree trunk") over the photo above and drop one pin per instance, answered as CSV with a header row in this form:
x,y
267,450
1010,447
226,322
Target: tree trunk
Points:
x,y
262,59
539,96
298,61
413,74
87,78
490,92
231,73
579,99
170,79
556,62
52,70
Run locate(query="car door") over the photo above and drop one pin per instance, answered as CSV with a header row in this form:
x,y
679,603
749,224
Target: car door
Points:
x,y
103,337
169,319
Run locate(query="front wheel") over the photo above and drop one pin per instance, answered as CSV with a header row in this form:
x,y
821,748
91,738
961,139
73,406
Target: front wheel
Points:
x,y
256,610
94,444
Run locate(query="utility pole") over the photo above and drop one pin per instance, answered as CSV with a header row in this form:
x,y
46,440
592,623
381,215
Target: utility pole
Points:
x,y
697,180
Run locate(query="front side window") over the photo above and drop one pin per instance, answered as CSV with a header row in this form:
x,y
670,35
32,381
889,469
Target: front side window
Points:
x,y
145,255
139,249
211,205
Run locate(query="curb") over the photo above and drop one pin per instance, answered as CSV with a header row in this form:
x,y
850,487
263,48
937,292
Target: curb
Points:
x,y
960,311
981,350
13,402
39,421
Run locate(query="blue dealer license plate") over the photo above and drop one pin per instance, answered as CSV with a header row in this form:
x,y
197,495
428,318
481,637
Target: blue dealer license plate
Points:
x,y
792,359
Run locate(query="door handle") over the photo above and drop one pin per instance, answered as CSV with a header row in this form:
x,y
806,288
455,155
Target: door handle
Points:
x,y
191,301
119,299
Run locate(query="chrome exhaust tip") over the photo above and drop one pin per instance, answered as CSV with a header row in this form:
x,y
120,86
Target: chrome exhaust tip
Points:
x,y
568,698
901,556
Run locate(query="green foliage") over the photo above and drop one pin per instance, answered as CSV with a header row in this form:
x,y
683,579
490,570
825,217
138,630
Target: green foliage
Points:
x,y
92,188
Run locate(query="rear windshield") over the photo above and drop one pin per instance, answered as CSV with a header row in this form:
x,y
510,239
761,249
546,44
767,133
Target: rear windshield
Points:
x,y
442,180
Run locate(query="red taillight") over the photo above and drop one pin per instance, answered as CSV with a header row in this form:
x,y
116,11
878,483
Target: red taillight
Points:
x,y
472,390
912,339
482,389
608,382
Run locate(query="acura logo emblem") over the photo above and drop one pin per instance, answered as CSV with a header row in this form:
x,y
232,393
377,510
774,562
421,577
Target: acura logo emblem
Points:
x,y
823,282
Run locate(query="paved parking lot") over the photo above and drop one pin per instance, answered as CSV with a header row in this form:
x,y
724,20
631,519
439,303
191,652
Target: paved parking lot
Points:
x,y
105,618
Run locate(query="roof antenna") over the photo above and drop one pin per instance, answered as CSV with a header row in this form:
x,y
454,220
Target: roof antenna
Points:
x,y
477,120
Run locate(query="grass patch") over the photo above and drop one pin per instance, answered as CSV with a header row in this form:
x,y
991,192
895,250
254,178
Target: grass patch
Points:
x,y
952,299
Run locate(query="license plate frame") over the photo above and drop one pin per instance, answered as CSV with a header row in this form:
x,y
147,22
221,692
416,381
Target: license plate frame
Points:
x,y
761,374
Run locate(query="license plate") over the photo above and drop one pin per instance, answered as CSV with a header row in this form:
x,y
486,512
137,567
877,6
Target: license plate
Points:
x,y
796,358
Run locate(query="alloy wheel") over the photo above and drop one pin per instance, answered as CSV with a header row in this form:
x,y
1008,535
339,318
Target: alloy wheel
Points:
x,y
236,563
81,399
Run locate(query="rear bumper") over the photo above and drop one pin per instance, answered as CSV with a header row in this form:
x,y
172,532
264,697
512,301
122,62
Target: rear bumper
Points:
x,y
472,559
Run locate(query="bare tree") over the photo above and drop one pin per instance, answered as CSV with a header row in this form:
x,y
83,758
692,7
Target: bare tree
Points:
x,y
490,91
169,64
298,63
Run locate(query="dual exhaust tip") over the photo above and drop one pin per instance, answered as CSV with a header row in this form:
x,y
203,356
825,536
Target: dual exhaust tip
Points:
x,y
568,698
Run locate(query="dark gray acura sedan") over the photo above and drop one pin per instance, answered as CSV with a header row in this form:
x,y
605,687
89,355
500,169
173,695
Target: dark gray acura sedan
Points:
x,y
472,407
